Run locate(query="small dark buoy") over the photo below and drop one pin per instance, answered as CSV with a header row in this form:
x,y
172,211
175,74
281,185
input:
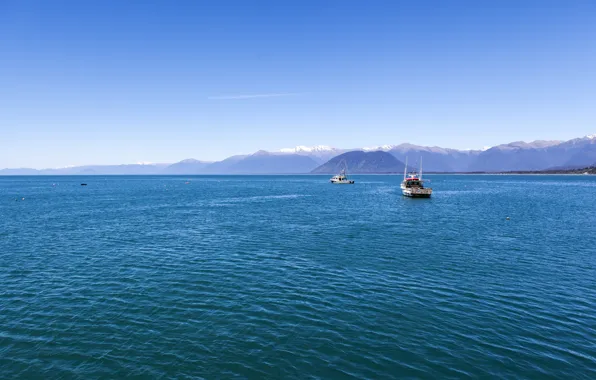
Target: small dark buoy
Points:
x,y
507,218
83,184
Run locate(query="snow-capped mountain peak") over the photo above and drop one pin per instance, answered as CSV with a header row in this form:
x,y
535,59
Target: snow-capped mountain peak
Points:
x,y
591,137
375,148
307,149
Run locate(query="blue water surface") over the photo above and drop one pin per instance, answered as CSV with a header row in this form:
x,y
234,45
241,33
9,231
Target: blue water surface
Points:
x,y
292,277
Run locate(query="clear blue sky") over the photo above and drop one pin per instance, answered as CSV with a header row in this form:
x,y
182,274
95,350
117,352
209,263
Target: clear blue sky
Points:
x,y
106,82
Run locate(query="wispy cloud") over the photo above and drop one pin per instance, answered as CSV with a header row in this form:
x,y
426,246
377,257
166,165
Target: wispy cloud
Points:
x,y
252,96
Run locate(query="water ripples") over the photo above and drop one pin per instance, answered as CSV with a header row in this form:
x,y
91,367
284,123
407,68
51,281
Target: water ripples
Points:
x,y
261,277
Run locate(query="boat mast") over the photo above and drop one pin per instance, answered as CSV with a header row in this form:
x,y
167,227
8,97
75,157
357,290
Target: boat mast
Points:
x,y
406,168
420,168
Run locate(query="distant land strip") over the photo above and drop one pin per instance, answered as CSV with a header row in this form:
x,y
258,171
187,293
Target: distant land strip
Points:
x,y
588,170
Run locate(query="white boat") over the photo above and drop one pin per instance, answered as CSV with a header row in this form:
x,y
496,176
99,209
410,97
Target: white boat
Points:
x,y
342,178
413,185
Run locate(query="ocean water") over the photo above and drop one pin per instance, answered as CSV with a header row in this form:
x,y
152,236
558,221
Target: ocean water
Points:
x,y
292,277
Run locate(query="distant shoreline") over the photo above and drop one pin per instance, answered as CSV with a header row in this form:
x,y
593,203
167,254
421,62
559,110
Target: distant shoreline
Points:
x,y
537,173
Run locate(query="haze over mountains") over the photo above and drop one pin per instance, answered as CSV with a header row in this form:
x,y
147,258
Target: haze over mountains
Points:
x,y
360,162
515,156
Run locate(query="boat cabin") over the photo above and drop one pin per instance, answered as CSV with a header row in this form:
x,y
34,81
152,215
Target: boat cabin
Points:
x,y
413,182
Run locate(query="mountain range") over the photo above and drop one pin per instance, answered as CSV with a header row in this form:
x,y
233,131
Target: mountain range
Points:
x,y
360,162
516,156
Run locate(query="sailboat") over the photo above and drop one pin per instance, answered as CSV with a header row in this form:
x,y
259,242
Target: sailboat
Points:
x,y
342,177
413,185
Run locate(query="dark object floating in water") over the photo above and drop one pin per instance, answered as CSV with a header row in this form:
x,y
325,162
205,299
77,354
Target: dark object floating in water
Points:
x,y
83,184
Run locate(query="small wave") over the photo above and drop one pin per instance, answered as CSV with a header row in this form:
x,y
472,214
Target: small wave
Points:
x,y
256,199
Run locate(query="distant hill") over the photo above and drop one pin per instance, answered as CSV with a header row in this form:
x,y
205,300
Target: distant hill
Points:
x,y
319,153
516,156
536,156
189,166
576,152
223,167
435,158
132,169
362,162
266,163
20,171
586,170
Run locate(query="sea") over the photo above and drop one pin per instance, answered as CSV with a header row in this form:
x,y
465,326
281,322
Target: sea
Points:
x,y
270,277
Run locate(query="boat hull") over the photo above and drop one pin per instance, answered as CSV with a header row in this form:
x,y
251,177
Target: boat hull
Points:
x,y
416,195
416,192
350,182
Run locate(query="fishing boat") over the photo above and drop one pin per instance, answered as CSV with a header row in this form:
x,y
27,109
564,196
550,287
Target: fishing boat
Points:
x,y
413,185
342,178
